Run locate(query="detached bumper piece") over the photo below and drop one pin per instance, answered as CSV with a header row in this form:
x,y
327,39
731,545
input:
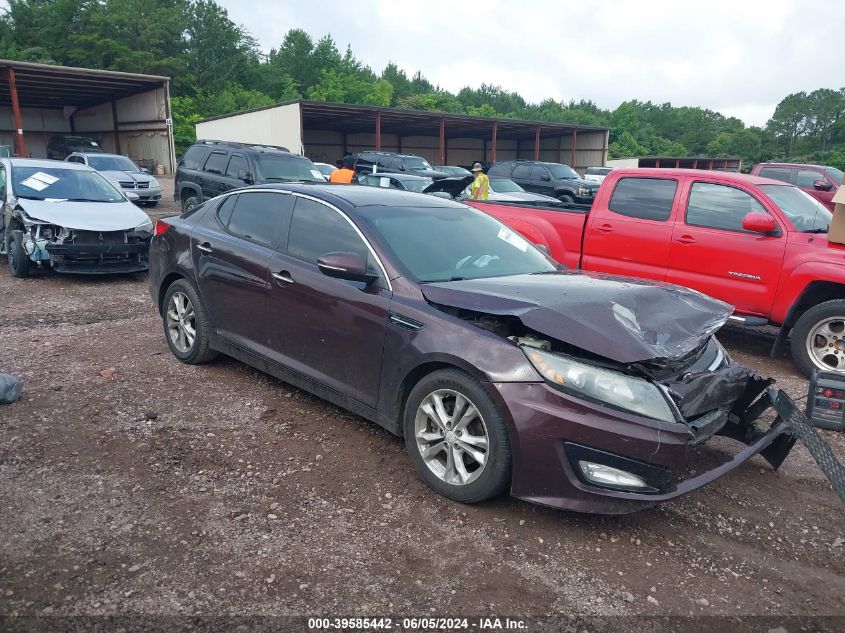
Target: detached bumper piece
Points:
x,y
93,253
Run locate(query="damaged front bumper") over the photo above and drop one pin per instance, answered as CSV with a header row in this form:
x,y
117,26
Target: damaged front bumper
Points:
x,y
555,433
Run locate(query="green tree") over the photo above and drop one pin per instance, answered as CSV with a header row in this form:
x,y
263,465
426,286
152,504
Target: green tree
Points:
x,y
790,119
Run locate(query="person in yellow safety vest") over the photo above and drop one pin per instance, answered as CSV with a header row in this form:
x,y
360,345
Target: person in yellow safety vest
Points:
x,y
480,187
346,174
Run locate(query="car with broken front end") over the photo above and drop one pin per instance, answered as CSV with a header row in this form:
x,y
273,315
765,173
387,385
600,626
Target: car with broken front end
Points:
x,y
501,370
68,218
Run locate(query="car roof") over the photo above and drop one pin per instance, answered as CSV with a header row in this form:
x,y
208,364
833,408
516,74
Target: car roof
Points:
x,y
398,176
98,154
351,196
722,175
795,165
46,163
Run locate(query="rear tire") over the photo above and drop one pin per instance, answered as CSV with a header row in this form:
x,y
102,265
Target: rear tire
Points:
x,y
18,259
469,429
818,338
186,325
190,202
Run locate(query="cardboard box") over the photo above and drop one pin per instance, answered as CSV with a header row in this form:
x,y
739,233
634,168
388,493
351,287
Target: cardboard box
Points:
x,y
836,232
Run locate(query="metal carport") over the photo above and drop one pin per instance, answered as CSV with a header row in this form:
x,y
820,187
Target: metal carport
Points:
x,y
126,113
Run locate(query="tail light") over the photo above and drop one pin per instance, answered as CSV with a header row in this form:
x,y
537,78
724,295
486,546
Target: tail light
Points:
x,y
160,227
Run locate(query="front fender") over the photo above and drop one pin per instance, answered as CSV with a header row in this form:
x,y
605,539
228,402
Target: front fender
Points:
x,y
794,285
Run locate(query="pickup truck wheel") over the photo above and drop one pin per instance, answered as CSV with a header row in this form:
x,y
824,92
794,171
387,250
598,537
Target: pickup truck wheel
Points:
x,y
566,198
818,338
18,259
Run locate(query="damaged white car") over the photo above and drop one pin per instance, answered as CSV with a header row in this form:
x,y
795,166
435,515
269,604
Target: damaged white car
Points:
x,y
69,218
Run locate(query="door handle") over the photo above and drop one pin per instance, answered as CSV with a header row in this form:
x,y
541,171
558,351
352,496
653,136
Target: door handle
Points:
x,y
605,228
283,278
686,239
205,247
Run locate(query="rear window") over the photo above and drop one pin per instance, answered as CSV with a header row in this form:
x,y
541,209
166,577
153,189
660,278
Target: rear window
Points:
x,y
644,198
216,163
776,173
194,157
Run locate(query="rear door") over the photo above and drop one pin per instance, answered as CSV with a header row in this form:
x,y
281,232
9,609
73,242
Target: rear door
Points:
x,y
631,233
231,248
328,329
713,254
213,174
782,173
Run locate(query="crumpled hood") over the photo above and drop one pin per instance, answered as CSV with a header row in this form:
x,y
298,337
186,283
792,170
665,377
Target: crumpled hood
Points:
x,y
127,176
85,216
625,320
453,185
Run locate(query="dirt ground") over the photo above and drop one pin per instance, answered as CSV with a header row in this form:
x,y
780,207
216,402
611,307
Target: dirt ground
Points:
x,y
133,484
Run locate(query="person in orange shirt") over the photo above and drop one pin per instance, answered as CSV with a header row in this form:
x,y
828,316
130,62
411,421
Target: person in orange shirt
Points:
x,y
346,174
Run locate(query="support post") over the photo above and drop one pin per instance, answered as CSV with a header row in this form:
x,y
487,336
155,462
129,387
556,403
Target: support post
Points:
x,y
493,149
572,152
171,146
114,127
378,131
442,140
537,143
20,146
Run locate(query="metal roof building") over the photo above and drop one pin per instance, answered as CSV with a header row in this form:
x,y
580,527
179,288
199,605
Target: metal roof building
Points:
x,y
126,113
683,162
325,132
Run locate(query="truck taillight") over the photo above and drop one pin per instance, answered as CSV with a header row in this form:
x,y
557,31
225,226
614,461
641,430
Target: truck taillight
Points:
x,y
161,227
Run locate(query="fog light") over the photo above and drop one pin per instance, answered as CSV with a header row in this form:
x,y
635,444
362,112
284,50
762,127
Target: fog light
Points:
x,y
609,476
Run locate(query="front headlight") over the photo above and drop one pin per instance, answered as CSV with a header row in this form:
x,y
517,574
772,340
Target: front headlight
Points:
x,y
155,184
145,228
602,385
584,191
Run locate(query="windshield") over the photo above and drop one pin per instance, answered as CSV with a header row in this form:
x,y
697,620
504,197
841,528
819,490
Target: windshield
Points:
x,y
55,183
562,171
504,185
269,167
112,163
413,162
806,213
450,243
835,174
416,185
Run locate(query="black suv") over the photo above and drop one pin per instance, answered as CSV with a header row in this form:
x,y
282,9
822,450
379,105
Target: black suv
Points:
x,y
210,168
552,179
396,163
60,147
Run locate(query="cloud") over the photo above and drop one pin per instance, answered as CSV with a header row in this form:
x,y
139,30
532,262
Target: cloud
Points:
x,y
739,58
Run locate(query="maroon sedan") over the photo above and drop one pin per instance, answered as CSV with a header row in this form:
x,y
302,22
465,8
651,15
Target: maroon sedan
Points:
x,y
500,369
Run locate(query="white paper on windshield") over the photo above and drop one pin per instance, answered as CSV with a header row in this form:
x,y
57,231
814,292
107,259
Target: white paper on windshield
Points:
x,y
506,235
316,174
45,178
33,183
384,182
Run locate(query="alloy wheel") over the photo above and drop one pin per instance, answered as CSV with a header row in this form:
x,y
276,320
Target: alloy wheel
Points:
x,y
181,322
826,344
451,437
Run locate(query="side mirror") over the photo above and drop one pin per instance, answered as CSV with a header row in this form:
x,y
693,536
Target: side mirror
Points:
x,y
131,196
351,266
144,170
243,175
545,177
759,223
822,185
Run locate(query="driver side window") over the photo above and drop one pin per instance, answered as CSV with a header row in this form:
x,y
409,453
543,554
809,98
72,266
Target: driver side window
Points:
x,y
720,206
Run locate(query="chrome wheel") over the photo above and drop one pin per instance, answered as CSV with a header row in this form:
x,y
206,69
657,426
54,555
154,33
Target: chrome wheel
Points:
x,y
181,322
451,437
826,344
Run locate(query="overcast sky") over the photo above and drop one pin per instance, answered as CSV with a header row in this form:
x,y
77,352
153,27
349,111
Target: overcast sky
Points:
x,y
739,57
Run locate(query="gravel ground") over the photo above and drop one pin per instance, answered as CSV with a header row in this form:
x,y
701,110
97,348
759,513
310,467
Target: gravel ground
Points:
x,y
133,484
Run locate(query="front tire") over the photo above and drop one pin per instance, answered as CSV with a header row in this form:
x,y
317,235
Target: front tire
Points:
x,y
818,338
189,203
566,198
186,325
457,438
18,259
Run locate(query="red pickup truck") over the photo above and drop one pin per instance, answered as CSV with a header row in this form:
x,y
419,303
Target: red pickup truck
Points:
x,y
757,243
